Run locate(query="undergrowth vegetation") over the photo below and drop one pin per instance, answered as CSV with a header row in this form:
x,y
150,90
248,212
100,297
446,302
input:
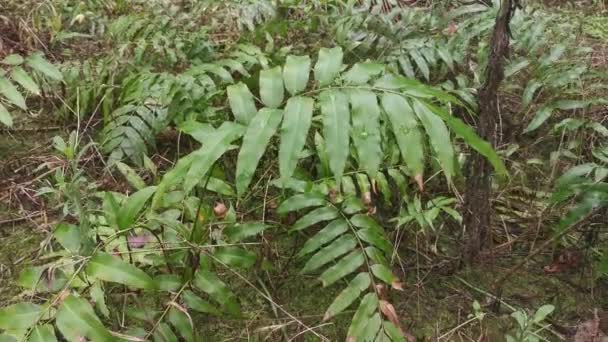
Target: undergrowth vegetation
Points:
x,y
212,149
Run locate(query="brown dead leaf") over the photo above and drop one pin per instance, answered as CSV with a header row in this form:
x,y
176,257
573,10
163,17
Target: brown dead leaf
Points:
x,y
388,310
367,198
397,285
420,181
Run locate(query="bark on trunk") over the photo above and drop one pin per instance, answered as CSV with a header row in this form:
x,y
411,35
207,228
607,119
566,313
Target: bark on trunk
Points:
x,y
478,192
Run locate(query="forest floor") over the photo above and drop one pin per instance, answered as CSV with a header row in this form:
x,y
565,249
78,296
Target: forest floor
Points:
x,y
438,295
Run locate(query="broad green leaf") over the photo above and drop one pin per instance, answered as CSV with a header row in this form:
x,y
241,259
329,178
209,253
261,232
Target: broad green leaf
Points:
x,y
98,297
342,268
359,284
164,334
219,186
406,130
235,256
444,53
516,66
372,328
383,273
68,235
261,128
294,130
542,313
13,59
352,205
271,87
314,217
29,278
367,307
240,232
545,112
383,187
20,76
5,116
19,317
182,323
217,290
196,303
198,130
366,222
330,252
470,138
301,201
328,65
39,63
361,73
325,235
168,282
76,319
336,129
421,63
366,130
539,118
203,159
556,53
43,333
109,268
241,102
439,137
295,73
134,204
373,237
11,93
529,92
393,332
130,175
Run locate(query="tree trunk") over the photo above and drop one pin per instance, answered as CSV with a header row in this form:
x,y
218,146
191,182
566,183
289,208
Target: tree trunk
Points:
x,y
478,192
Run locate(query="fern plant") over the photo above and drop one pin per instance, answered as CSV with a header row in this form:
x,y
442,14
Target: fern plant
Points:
x,y
359,105
149,101
160,39
28,73
364,96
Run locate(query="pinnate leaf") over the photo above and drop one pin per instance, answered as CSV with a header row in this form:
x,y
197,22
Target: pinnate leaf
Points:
x,y
361,282
336,129
406,131
314,217
261,128
301,201
342,268
327,254
295,73
329,233
241,102
296,123
366,130
271,87
328,65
